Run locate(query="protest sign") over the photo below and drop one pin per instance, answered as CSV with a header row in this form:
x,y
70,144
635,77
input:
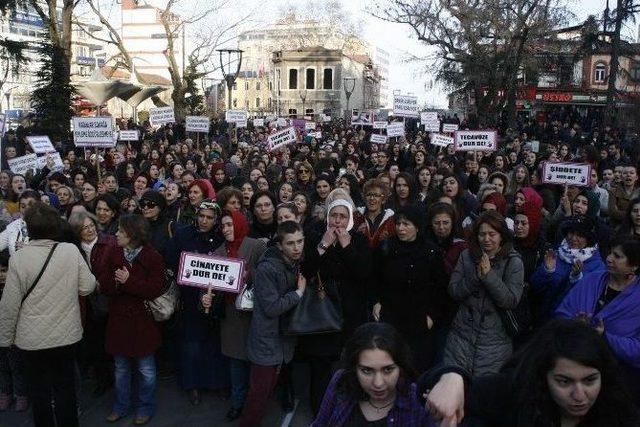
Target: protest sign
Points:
x,y
40,144
234,116
197,124
202,271
317,135
309,125
57,161
326,118
380,124
128,135
258,122
23,164
93,132
3,124
281,138
361,117
535,146
449,127
161,115
441,140
428,116
476,140
241,124
282,122
395,129
432,126
378,139
405,106
576,174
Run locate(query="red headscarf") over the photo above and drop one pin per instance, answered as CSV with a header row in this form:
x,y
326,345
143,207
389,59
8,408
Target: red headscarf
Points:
x,y
205,186
240,231
498,200
532,209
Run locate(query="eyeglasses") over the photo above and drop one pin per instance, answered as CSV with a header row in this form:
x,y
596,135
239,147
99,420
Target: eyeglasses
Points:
x,y
147,204
303,171
373,195
87,227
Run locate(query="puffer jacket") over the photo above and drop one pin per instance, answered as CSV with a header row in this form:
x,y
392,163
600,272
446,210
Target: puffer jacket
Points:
x,y
15,232
50,316
478,341
274,294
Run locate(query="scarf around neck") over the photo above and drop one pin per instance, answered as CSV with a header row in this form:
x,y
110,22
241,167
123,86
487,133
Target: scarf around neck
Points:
x,y
569,255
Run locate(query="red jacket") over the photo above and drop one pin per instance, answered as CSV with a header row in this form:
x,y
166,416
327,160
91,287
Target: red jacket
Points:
x,y
386,228
131,330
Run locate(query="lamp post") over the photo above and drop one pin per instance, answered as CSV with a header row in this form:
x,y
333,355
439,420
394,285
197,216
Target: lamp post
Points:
x,y
303,97
349,85
230,74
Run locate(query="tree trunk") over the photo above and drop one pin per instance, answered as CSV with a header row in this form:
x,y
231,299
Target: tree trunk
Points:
x,y
614,66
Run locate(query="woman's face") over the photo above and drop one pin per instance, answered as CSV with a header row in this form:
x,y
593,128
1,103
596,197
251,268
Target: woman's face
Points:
x,y
483,174
377,374
177,172
18,184
190,165
374,199
255,174
424,178
78,180
247,193
345,185
290,175
262,184
304,174
419,158
130,170
226,226
442,225
618,263
489,238
89,192
171,192
4,180
195,195
149,209
564,150
285,193
499,185
519,201
499,162
123,239
402,188
323,189
450,187
140,184
104,213
406,230
576,241
521,226
219,176
394,170
154,173
63,196
635,215
513,157
233,204
263,210
301,204
88,233
338,217
574,387
520,175
580,205
284,214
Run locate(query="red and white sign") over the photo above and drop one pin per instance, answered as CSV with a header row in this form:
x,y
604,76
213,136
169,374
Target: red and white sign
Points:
x,y
204,271
575,174
378,139
476,140
441,140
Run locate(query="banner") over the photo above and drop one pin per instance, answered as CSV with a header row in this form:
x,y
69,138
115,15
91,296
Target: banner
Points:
x,y
395,129
234,116
326,118
575,174
197,124
432,126
378,139
476,140
441,140
21,165
202,271
281,138
241,124
380,124
361,117
258,122
57,161
40,144
128,135
93,132
282,122
449,127
309,126
405,106
428,116
161,115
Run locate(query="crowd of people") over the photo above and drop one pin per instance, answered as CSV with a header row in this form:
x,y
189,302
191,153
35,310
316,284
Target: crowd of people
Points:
x,y
464,287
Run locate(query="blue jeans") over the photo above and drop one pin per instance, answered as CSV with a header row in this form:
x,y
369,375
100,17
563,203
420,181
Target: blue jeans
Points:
x,y
239,372
146,385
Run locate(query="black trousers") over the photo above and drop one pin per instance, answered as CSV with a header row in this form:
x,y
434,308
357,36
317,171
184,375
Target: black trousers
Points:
x,y
50,377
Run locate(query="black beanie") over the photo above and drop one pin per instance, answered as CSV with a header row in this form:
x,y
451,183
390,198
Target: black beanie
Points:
x,y
155,197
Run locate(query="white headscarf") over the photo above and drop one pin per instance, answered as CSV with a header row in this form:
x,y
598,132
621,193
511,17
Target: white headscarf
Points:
x,y
346,204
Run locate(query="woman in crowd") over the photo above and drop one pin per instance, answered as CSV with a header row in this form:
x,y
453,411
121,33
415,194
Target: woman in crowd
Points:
x,y
107,211
153,207
305,178
501,182
133,274
89,195
17,186
173,195
285,192
631,223
463,201
404,192
219,177
16,234
303,203
287,212
66,198
519,179
349,183
229,199
263,208
373,220
247,188
489,277
197,191
322,185
425,187
375,385
528,240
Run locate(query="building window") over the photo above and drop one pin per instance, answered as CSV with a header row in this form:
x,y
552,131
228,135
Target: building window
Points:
x,y
308,112
257,85
293,112
634,72
600,73
327,79
311,78
270,86
257,102
270,103
246,104
293,78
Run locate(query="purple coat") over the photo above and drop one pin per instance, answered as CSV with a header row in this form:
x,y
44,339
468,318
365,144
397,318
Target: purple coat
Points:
x,y
621,316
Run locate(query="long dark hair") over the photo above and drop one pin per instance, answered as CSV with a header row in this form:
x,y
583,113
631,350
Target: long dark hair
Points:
x,y
372,336
578,342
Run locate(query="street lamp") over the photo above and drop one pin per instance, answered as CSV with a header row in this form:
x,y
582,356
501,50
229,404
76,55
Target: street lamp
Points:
x,y
303,97
349,85
230,75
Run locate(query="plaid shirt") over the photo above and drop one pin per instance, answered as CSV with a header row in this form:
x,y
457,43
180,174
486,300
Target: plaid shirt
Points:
x,y
406,412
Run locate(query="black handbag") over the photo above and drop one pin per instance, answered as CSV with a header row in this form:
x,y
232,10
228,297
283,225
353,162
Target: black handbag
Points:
x,y
318,312
517,321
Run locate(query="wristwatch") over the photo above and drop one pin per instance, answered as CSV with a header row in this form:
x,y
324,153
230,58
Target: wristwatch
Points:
x,y
322,246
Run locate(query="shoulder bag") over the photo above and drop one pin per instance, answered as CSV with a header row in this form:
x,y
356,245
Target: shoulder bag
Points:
x,y
516,320
44,267
244,300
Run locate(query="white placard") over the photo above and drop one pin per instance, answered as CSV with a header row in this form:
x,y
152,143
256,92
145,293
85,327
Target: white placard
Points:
x,y
476,140
258,122
40,144
405,106
241,124
428,116
432,126
57,161
441,140
449,127
270,118
535,146
282,122
93,132
395,129
161,116
281,138
128,135
204,271
380,124
309,126
197,124
576,174
378,139
317,135
326,118
23,164
234,116
361,117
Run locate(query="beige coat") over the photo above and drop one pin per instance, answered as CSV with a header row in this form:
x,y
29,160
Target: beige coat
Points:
x,y
50,316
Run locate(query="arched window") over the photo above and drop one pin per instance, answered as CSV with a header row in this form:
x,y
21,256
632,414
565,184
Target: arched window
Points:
x,y
600,73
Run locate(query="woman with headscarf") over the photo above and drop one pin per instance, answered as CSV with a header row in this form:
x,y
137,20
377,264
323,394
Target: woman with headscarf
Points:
x,y
219,177
528,240
198,190
234,326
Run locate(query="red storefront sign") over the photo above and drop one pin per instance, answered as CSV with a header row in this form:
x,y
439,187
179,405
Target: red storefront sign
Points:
x,y
557,97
